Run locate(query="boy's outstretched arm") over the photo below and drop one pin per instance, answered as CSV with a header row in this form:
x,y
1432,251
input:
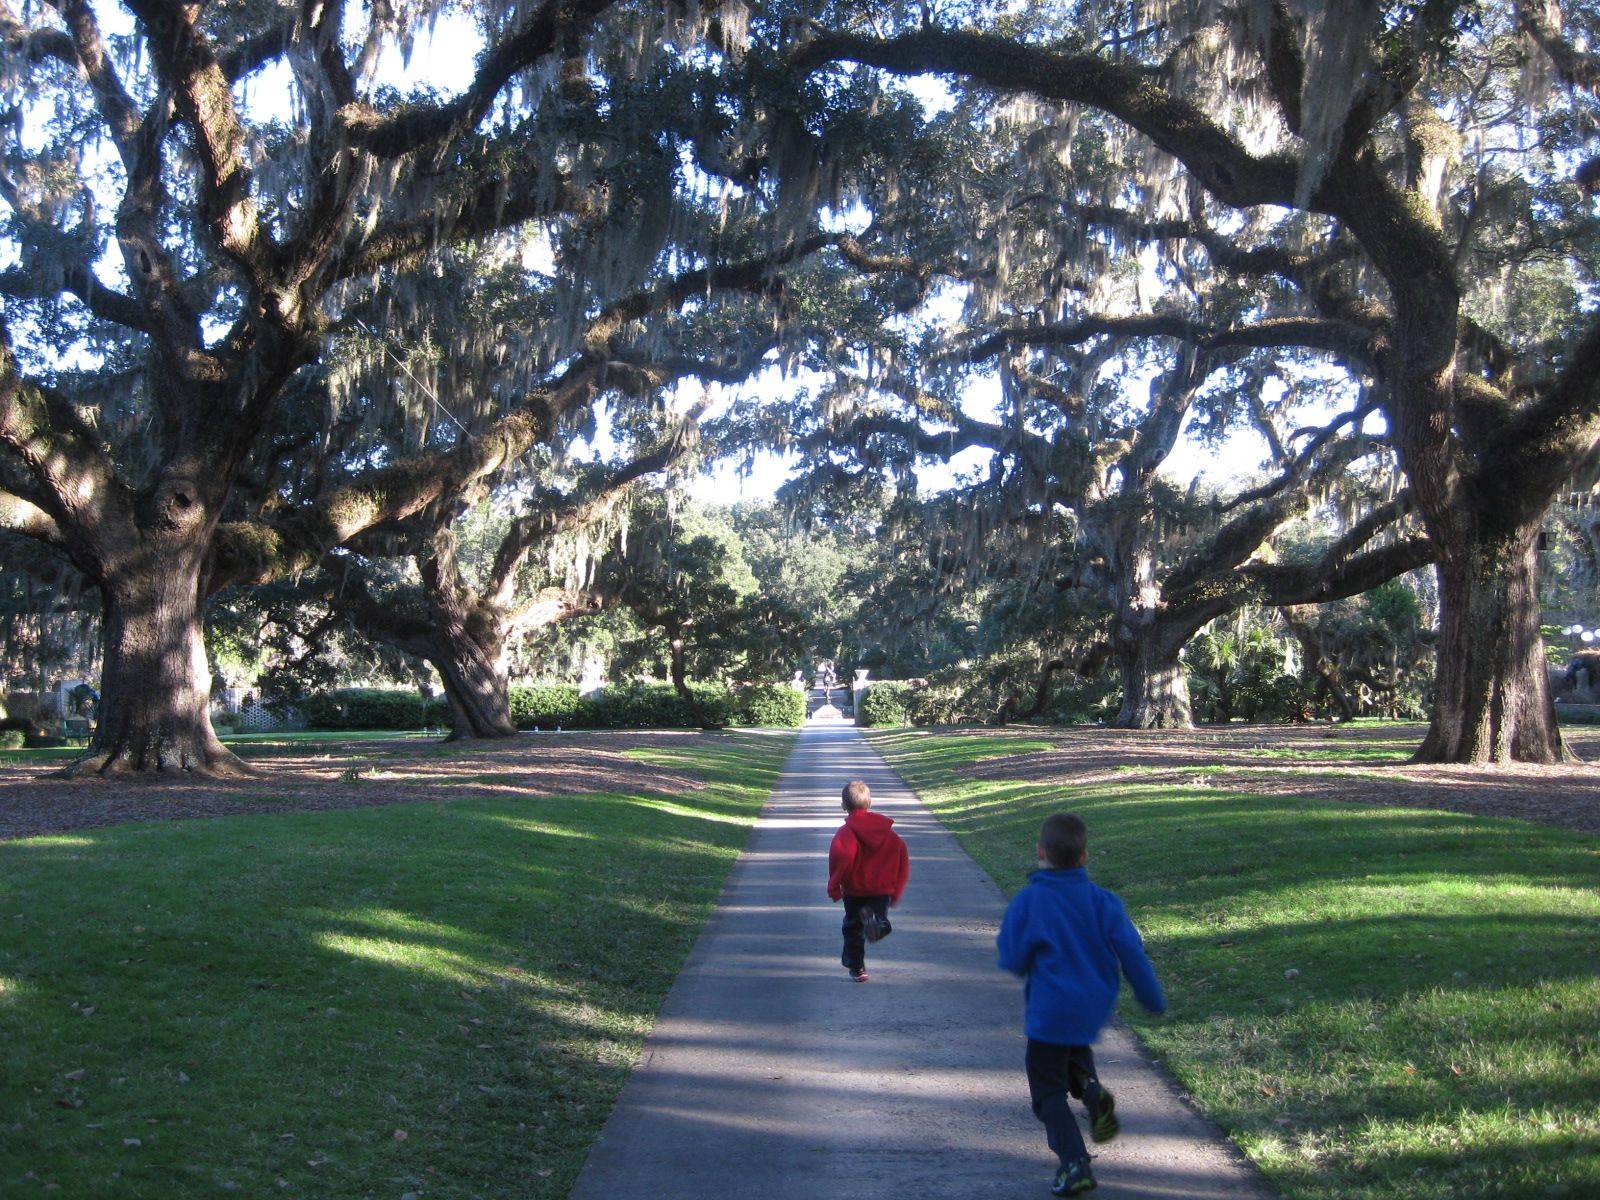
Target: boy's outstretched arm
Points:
x,y
902,871
1129,946
1013,941
840,855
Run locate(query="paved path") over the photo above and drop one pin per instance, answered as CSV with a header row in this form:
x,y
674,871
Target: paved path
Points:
x,y
771,1076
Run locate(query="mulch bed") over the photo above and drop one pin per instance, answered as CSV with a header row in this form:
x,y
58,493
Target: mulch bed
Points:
x,y
309,777
1238,757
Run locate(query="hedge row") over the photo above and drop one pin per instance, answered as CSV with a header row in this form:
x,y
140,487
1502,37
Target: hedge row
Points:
x,y
374,708
558,706
655,706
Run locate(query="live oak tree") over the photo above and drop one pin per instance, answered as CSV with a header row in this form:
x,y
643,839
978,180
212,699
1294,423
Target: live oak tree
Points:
x,y
1165,564
464,619
1386,169
465,622
167,300
1098,378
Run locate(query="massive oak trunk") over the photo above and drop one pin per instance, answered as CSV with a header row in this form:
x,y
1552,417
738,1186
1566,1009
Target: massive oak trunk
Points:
x,y
471,662
1155,694
1493,701
467,640
156,683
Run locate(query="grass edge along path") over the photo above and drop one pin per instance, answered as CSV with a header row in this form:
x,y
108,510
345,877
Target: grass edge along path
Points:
x,y
431,999
1373,1002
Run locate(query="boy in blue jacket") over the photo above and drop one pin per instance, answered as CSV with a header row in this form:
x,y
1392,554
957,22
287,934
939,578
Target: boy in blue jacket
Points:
x,y
1068,938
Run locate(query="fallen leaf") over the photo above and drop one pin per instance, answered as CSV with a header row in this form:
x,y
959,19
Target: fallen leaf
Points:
x,y
76,1075
400,1135
132,1142
1268,1090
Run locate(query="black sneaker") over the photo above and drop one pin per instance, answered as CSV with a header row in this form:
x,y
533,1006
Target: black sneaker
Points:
x,y
1102,1105
872,926
1073,1178
859,974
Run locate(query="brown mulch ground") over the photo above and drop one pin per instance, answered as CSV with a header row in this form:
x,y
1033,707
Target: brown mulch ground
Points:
x,y
1245,757
313,776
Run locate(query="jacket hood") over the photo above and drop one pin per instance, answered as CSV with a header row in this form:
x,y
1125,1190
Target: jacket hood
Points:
x,y
871,829
1059,875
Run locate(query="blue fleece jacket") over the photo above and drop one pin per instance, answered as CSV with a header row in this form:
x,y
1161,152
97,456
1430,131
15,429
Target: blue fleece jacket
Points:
x,y
1067,937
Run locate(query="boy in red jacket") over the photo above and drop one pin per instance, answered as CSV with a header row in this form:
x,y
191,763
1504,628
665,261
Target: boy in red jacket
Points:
x,y
867,869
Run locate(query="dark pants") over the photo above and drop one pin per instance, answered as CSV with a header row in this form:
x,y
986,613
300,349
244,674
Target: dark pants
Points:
x,y
855,941
1054,1073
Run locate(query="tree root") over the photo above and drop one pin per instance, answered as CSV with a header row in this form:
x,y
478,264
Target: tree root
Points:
x,y
214,763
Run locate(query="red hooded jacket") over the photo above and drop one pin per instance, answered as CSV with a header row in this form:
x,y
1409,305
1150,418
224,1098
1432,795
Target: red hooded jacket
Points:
x,y
867,858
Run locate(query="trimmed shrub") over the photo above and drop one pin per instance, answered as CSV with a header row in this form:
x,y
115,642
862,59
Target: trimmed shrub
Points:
x,y
12,739
32,731
884,704
373,708
658,706
775,705
550,706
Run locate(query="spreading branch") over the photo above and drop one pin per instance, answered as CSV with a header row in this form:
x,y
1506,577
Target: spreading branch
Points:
x,y
419,126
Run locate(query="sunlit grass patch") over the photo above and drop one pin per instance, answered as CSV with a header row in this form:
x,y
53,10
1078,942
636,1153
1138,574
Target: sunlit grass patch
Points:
x,y
1375,1002
1362,751
276,997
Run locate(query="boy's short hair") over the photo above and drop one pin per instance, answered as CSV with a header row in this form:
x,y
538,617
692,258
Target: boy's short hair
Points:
x,y
1064,837
857,795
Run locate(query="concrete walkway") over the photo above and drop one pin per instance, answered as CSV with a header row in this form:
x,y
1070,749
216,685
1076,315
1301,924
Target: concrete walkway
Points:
x,y
771,1076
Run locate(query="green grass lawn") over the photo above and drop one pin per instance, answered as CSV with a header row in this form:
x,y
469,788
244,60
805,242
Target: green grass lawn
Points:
x,y
440,999
1442,1035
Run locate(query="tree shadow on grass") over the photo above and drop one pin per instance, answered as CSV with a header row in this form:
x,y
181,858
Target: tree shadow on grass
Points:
x,y
281,994
1436,1036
